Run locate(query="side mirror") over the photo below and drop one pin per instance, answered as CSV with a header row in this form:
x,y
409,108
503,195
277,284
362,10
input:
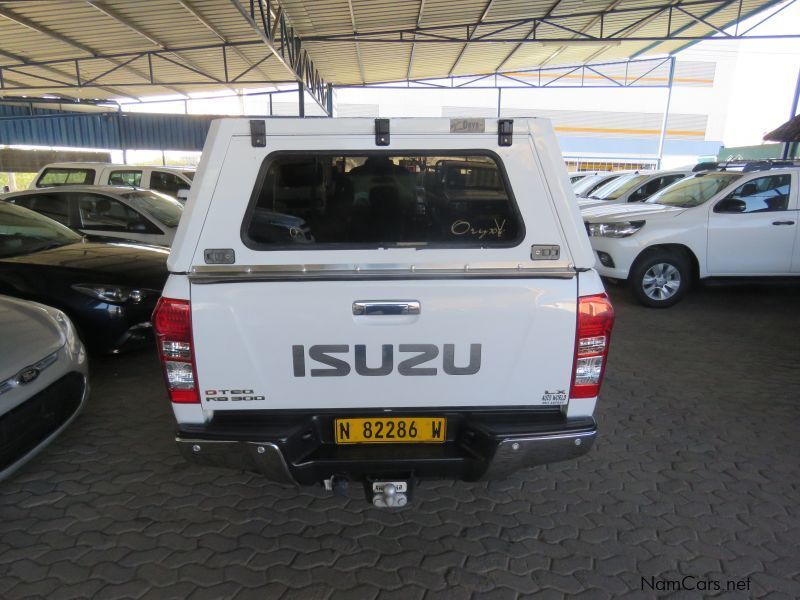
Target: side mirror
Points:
x,y
183,194
731,205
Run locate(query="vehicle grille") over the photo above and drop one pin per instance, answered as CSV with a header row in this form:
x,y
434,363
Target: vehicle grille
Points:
x,y
27,425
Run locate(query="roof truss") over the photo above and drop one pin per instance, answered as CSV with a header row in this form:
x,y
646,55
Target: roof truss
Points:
x,y
269,21
558,28
645,72
126,48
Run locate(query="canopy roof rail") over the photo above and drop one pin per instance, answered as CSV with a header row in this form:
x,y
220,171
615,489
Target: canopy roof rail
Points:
x,y
747,165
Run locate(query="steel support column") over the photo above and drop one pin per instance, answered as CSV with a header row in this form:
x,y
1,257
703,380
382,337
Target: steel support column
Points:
x,y
665,120
788,145
301,99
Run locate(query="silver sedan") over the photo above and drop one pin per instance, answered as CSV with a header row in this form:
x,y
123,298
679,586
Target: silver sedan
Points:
x,y
44,379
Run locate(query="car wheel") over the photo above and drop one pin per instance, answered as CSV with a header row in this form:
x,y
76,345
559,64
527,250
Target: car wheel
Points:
x,y
660,279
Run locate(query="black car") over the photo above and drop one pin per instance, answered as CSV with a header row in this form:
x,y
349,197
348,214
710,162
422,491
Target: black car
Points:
x,y
109,290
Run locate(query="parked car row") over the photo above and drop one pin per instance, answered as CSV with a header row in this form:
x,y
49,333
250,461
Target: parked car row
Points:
x,y
632,187
576,176
59,291
586,186
728,221
104,211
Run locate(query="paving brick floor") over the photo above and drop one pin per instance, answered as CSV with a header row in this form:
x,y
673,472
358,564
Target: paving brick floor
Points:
x,y
695,473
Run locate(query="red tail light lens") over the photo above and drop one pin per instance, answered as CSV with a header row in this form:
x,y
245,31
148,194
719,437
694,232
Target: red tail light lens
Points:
x,y
172,320
592,339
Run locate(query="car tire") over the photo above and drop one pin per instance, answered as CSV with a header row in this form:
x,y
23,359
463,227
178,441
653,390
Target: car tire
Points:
x,y
660,279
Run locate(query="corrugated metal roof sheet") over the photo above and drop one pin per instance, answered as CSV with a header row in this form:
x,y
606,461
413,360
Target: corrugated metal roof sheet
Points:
x,y
188,35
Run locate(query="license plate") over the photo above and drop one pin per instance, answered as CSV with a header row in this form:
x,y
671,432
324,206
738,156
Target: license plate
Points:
x,y
388,430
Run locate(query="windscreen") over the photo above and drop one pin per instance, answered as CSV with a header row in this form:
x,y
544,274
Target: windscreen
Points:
x,y
23,231
588,184
694,191
615,189
374,200
163,208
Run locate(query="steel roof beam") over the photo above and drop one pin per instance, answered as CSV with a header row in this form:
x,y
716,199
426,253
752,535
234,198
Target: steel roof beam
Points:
x,y
70,78
700,20
708,14
138,30
739,18
25,22
454,32
358,48
277,34
210,26
21,62
470,35
532,32
639,24
555,77
591,24
413,46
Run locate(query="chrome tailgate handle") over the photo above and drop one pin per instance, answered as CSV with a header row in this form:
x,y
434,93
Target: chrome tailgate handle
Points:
x,y
386,307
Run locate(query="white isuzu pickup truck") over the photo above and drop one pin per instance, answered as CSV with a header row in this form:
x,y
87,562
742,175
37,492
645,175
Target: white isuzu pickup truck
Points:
x,y
382,301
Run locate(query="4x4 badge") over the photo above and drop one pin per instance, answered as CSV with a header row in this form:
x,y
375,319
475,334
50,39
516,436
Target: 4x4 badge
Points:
x,y
558,397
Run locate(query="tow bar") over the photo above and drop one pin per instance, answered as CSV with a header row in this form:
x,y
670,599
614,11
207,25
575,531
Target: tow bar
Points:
x,y
389,494
381,493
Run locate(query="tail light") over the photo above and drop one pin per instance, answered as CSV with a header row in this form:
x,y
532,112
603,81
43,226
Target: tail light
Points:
x,y
592,338
172,320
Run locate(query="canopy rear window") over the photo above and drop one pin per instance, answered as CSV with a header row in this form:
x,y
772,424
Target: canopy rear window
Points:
x,y
308,200
66,176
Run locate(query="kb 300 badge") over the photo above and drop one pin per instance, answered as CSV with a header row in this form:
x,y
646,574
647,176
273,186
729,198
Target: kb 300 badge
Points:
x,y
232,396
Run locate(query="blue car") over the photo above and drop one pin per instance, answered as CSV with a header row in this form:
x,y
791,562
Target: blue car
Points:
x,y
107,289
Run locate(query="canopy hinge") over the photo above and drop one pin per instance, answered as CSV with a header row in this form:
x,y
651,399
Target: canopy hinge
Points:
x,y
381,132
258,133
505,131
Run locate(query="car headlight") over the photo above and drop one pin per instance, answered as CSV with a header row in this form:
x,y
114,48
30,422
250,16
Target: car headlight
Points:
x,y
614,230
111,293
66,326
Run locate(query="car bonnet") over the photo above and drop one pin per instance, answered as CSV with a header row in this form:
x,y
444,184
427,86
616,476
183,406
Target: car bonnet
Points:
x,y
628,212
30,333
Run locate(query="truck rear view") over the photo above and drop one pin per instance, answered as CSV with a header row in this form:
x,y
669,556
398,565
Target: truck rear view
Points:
x,y
382,302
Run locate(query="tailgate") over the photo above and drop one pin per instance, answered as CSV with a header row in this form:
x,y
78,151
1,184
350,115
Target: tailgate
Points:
x,y
293,345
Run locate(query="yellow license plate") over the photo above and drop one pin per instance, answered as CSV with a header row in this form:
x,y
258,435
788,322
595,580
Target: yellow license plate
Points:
x,y
388,430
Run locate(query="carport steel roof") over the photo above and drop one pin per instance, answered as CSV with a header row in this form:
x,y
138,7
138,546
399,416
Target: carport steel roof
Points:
x,y
131,48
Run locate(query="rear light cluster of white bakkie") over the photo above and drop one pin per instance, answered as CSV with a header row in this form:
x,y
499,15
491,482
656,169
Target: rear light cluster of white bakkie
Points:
x,y
172,320
592,338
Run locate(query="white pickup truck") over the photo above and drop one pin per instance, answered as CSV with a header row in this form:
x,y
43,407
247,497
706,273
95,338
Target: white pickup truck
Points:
x,y
382,301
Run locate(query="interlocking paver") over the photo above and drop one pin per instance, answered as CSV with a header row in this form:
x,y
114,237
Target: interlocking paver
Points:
x,y
692,475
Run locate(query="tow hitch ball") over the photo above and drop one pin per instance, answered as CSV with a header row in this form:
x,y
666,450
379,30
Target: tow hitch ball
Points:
x,y
382,494
389,494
